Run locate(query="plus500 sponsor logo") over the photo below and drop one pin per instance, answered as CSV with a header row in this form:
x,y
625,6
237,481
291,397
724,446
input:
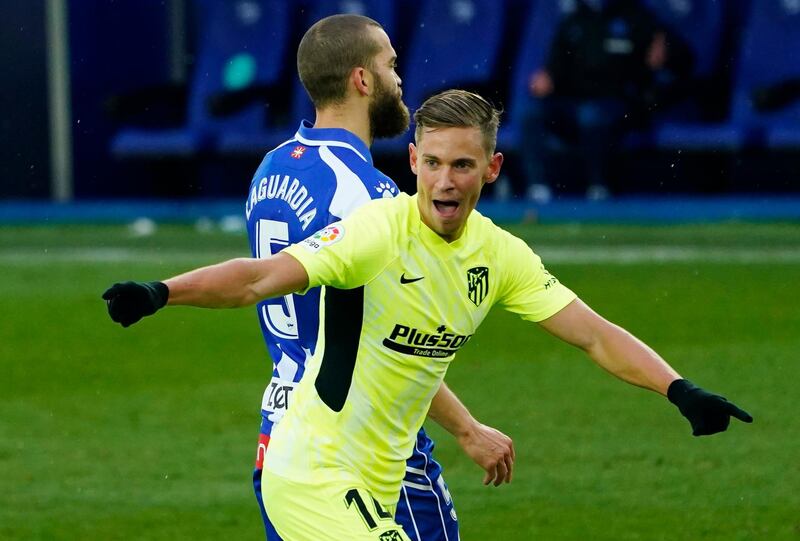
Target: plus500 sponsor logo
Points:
x,y
413,341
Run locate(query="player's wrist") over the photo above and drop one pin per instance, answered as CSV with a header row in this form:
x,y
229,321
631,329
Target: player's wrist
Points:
x,y
679,391
468,430
159,293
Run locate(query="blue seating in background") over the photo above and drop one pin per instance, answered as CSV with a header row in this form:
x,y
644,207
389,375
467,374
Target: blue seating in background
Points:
x,y
453,43
247,142
383,11
534,45
460,43
241,44
770,55
700,23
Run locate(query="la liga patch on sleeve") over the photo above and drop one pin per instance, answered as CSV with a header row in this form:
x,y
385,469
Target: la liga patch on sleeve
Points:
x,y
324,237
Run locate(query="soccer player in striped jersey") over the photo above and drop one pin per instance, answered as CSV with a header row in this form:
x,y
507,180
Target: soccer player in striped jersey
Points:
x,y
422,272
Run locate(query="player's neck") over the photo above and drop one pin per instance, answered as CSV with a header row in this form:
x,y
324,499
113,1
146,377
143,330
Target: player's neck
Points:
x,y
352,119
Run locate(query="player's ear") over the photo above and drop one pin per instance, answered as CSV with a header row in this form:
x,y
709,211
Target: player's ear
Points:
x,y
493,169
360,79
412,157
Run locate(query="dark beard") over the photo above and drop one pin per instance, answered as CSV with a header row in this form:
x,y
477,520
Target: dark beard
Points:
x,y
388,115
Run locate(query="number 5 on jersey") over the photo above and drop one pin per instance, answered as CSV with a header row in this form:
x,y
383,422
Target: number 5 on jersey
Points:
x,y
280,319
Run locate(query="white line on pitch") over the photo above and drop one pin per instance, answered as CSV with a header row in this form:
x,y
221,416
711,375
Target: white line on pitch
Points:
x,y
611,255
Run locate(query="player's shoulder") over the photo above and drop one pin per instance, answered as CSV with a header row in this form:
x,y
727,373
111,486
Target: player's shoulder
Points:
x,y
499,245
290,157
386,218
293,154
389,209
489,233
377,184
383,186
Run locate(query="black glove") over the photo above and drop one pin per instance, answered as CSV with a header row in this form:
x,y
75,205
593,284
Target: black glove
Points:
x,y
707,412
129,302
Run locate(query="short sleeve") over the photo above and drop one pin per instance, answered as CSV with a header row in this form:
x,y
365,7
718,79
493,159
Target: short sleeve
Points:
x,y
349,253
528,289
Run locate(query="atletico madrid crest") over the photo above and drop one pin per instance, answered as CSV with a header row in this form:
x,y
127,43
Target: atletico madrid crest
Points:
x,y
477,284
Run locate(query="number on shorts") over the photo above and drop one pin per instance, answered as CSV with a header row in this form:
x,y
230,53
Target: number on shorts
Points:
x,y
354,497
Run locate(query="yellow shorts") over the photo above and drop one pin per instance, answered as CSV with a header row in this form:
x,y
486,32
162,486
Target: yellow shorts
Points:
x,y
326,511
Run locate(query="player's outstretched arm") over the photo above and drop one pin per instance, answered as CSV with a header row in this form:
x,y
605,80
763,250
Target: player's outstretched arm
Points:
x,y
234,283
487,447
631,360
238,282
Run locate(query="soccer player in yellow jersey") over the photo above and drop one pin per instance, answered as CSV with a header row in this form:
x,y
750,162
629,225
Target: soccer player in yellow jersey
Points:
x,y
428,269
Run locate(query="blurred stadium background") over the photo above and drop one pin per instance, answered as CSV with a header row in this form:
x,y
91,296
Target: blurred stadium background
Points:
x,y
130,130
118,99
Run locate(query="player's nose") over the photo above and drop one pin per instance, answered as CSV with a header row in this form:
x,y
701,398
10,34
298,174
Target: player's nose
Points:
x,y
444,181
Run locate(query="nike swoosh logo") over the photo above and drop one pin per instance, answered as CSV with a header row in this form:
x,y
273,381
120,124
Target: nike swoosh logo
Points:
x,y
404,280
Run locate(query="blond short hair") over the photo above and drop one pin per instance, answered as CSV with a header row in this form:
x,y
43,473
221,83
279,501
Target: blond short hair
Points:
x,y
459,109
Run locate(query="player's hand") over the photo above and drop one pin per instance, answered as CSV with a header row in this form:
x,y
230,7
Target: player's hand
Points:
x,y
707,412
491,450
128,302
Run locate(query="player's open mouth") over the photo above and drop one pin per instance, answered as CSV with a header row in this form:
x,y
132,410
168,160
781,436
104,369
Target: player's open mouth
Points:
x,y
446,209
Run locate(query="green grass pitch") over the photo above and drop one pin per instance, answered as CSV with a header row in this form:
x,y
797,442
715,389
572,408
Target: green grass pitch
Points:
x,y
149,433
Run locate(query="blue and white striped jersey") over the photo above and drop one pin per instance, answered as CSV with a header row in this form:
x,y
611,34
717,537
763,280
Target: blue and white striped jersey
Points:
x,y
318,177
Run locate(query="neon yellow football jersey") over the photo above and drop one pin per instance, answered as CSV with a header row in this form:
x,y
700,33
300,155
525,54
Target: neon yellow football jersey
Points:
x,y
413,301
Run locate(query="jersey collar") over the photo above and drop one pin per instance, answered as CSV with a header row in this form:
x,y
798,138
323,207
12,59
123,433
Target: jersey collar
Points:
x,y
431,239
308,135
